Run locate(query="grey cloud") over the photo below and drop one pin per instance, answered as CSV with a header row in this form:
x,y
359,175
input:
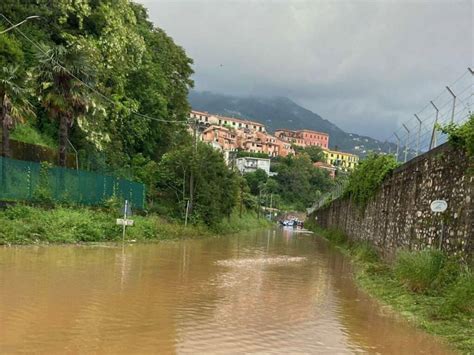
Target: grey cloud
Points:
x,y
365,65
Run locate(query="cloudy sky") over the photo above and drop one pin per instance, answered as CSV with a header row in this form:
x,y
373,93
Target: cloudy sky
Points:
x,y
365,65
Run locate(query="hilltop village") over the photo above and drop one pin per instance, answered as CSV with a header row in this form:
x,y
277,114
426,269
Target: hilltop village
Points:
x,y
233,135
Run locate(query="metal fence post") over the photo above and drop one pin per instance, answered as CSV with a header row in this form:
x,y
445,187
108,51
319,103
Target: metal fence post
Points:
x,y
454,102
398,145
433,133
418,135
407,140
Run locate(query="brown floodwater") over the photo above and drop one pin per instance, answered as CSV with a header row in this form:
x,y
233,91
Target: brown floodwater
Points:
x,y
269,292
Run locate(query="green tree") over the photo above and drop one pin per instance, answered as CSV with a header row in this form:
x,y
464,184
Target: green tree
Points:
x,y
14,105
315,153
62,94
215,186
255,179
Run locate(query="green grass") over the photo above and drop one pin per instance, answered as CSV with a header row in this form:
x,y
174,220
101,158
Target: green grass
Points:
x,y
27,134
432,290
23,224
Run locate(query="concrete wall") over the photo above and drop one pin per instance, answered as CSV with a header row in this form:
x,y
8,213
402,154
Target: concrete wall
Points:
x,y
399,216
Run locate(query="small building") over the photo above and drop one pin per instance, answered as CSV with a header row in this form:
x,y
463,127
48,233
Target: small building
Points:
x,y
250,165
342,160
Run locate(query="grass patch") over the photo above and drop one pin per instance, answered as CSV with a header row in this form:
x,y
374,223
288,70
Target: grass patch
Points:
x,y
432,290
27,134
23,224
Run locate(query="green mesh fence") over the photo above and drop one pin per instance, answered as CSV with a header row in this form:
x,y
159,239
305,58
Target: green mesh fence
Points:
x,y
24,180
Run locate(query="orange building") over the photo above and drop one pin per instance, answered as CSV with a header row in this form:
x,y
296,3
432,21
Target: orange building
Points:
x,y
304,137
230,139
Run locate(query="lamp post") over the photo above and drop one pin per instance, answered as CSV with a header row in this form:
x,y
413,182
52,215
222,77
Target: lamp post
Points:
x,y
18,24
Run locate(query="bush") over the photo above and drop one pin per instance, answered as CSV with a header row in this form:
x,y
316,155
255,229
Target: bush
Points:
x,y
418,270
17,212
460,297
365,252
365,180
336,236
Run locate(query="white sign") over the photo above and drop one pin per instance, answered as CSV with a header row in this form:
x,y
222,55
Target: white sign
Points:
x,y
439,205
124,222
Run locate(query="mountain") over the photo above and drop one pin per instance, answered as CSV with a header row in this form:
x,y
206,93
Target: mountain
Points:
x,y
281,112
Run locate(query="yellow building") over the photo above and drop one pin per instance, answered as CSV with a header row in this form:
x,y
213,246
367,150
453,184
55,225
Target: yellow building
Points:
x,y
346,161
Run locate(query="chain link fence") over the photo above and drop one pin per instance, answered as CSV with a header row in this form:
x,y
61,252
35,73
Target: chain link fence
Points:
x,y
25,180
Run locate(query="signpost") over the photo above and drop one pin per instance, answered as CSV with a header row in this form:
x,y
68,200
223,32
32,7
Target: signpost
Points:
x,y
439,206
127,211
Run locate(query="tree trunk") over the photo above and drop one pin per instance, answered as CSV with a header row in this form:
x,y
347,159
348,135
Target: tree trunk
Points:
x,y
3,119
63,140
5,127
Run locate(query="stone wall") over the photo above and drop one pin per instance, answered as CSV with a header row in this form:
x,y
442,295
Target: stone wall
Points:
x,y
399,216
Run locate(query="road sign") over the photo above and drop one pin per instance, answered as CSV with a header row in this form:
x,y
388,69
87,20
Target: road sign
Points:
x,y
124,222
438,206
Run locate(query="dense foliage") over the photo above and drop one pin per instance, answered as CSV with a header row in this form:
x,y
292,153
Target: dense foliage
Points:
x,y
368,176
136,66
314,152
296,185
462,135
110,84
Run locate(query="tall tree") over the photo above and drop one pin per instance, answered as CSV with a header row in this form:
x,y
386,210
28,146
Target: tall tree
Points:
x,y
61,75
13,104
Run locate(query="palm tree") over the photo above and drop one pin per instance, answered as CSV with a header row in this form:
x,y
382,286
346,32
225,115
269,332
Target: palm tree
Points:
x,y
14,105
62,73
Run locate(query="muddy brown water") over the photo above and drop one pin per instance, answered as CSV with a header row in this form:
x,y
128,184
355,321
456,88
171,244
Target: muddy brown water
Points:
x,y
268,292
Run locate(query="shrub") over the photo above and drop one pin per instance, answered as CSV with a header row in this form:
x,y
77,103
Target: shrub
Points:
x,y
418,270
17,212
368,176
336,236
461,135
460,296
365,252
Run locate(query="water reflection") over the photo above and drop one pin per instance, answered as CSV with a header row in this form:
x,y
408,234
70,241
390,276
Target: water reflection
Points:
x,y
272,291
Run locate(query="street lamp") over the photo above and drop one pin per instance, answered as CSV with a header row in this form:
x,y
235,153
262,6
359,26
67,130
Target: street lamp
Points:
x,y
18,24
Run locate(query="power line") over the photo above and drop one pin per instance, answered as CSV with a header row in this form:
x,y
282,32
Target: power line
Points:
x,y
90,87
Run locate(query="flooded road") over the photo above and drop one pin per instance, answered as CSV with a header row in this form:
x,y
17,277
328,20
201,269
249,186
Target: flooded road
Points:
x,y
269,291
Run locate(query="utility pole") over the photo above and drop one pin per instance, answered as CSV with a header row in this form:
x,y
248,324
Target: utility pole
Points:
x,y
189,209
241,198
418,135
259,200
454,102
433,134
407,140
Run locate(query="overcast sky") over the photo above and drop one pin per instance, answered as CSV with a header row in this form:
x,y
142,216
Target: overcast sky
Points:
x,y
365,65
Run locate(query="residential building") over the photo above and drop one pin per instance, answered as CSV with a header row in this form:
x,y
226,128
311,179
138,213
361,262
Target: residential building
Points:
x,y
232,134
304,137
250,165
345,161
206,118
